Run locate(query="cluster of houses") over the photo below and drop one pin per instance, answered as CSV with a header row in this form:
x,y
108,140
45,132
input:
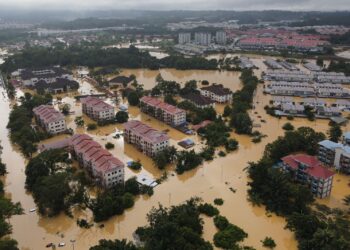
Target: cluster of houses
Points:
x,y
305,89
287,106
300,76
50,79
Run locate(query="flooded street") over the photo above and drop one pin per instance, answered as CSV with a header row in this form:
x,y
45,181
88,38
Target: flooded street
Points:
x,y
212,180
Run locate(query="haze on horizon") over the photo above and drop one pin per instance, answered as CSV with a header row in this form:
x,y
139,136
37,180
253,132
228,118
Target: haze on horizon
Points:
x,y
86,5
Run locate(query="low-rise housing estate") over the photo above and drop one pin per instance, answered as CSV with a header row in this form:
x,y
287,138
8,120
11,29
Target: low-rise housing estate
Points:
x,y
309,170
165,112
51,120
29,77
217,93
97,109
147,139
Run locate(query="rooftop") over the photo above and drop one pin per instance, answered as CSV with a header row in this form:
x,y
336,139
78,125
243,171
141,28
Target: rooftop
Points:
x,y
218,89
148,133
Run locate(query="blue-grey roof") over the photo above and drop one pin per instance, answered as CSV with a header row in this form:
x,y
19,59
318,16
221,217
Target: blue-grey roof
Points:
x,y
330,144
347,135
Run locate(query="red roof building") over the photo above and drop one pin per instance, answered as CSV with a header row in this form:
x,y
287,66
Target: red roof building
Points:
x,y
50,119
308,169
165,112
97,109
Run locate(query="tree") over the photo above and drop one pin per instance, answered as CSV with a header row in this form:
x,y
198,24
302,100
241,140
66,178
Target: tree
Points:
x,y
128,200
208,209
132,186
165,157
229,237
227,111
231,144
109,145
187,160
91,126
66,109
288,126
169,99
133,98
221,222
242,123
335,132
122,117
114,245
269,242
79,121
319,62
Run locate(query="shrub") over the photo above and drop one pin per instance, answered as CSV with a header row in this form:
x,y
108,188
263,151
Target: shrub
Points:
x,y
135,165
91,126
288,126
208,209
109,145
269,242
221,222
231,145
218,201
222,154
229,237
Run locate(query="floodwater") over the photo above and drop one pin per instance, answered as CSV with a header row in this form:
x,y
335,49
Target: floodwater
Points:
x,y
212,180
345,54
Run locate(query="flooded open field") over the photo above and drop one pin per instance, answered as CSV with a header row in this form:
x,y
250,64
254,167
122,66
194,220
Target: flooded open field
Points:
x,y
212,180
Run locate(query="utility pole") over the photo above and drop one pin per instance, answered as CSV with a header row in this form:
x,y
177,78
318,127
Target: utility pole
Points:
x,y
72,241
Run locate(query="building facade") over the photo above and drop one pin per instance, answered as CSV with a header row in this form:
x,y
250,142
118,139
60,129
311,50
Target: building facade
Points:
x,y
107,170
220,37
97,109
335,155
51,120
30,77
163,111
217,93
184,38
309,170
202,38
148,140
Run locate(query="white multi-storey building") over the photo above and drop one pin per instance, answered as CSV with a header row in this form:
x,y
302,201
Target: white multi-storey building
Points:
x,y
51,120
202,38
97,109
184,38
220,37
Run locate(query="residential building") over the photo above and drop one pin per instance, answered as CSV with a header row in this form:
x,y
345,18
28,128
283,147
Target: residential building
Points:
x,y
184,38
202,38
220,37
313,102
60,85
217,93
120,81
328,111
277,101
273,64
245,63
147,139
312,67
309,170
97,109
103,166
296,109
165,112
51,120
335,154
199,101
30,77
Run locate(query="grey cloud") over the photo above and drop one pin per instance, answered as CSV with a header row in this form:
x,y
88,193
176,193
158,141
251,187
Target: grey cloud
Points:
x,y
180,4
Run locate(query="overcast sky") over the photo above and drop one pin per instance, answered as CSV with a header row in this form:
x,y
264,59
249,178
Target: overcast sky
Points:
x,y
179,4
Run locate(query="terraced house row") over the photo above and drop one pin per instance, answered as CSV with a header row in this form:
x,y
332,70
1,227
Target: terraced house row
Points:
x,y
51,120
147,139
165,112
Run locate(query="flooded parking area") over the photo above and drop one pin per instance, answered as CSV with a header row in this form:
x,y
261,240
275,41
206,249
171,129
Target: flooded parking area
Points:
x,y
214,179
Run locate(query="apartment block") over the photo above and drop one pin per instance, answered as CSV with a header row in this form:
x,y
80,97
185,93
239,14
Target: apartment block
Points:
x,y
184,38
51,120
147,139
163,111
335,155
97,109
107,170
217,93
309,170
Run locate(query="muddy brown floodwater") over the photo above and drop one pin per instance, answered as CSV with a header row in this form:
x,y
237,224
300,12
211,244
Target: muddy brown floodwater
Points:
x,y
212,180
